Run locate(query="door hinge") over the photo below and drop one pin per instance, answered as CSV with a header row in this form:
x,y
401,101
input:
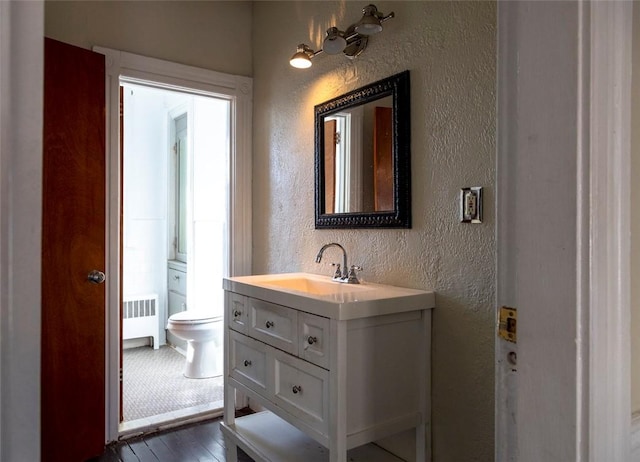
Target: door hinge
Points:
x,y
121,375
337,137
175,148
507,324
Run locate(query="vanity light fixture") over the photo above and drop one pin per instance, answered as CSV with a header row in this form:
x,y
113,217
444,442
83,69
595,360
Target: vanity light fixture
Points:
x,y
335,41
371,22
302,57
350,42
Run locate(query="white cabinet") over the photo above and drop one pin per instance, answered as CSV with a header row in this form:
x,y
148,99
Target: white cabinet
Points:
x,y
273,324
314,343
247,360
177,296
329,386
236,312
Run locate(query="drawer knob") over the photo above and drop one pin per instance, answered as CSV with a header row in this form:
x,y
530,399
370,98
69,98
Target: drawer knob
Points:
x,y
176,277
269,324
236,313
296,389
247,363
311,340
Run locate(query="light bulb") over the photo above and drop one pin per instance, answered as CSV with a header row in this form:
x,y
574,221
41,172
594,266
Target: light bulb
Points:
x,y
370,22
369,28
334,43
301,58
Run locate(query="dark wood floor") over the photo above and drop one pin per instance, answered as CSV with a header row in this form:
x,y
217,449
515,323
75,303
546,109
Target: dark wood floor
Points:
x,y
201,442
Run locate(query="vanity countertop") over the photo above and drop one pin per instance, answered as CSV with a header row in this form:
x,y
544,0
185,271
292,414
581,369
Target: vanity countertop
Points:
x,y
322,296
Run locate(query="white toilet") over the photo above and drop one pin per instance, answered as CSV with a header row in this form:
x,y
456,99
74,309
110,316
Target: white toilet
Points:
x,y
203,333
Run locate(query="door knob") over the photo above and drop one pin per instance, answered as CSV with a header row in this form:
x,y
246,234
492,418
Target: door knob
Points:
x,y
96,277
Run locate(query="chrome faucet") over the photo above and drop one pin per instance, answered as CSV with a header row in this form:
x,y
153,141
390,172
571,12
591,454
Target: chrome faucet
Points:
x,y
346,275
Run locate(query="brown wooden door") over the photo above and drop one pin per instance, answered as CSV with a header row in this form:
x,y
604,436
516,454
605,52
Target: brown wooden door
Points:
x,y
383,159
73,244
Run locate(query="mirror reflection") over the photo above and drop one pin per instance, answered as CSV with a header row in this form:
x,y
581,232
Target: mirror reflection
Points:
x,y
358,158
362,157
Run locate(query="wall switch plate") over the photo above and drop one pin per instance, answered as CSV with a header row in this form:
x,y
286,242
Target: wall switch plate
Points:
x,y
471,205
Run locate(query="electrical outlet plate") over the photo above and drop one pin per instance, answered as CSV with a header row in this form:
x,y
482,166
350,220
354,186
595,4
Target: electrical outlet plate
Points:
x,y
471,205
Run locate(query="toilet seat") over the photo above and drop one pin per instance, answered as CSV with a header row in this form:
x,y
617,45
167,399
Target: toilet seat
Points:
x,y
204,334
193,317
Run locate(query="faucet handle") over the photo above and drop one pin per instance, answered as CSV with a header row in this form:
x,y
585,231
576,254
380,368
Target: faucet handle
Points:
x,y
338,273
353,277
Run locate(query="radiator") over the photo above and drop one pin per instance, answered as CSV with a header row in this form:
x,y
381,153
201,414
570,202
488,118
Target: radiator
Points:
x,y
140,318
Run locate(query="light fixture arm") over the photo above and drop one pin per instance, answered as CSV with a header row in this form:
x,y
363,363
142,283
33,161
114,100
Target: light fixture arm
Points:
x,y
391,15
373,11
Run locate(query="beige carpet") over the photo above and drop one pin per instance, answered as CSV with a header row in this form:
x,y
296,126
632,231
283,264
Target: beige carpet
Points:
x,y
154,384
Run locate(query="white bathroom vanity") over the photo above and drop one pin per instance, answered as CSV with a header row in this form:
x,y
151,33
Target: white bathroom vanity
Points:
x,y
335,366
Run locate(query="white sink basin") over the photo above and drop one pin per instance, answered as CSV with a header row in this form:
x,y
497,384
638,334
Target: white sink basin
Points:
x,y
310,285
322,296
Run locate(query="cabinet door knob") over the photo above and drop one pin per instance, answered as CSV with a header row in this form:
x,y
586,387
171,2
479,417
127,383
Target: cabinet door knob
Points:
x,y
269,324
247,363
236,313
296,389
176,277
311,340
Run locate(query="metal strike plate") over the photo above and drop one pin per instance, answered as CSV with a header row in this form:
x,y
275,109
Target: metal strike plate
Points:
x,y
471,205
507,325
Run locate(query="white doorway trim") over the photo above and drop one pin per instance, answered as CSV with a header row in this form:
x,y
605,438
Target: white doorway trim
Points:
x,y
238,90
607,386
563,229
21,100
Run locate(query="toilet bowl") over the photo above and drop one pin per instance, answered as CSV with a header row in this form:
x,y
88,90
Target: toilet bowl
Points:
x,y
203,333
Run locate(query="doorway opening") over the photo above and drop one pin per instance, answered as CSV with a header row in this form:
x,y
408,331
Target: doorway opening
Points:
x,y
126,68
174,234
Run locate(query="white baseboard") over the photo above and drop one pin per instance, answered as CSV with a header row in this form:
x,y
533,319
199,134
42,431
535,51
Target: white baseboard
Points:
x,y
136,343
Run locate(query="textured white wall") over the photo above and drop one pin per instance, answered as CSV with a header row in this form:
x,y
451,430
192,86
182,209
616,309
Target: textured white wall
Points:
x,y
210,35
450,49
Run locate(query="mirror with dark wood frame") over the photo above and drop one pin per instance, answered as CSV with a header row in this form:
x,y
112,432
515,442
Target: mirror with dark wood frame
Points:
x,y
362,157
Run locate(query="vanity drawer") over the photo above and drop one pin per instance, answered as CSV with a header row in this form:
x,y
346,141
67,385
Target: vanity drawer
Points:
x,y
248,362
301,389
273,324
313,339
237,311
177,281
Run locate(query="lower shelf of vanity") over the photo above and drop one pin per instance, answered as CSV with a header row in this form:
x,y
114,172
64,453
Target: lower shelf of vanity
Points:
x,y
267,438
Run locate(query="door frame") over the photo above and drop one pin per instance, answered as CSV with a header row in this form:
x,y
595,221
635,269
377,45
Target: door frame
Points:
x,y
21,116
606,432
164,74
594,412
